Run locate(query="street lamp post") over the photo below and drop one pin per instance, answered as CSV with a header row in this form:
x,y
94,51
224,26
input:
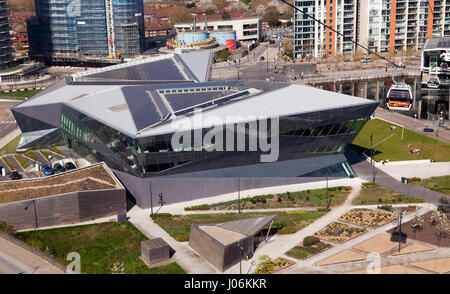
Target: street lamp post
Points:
x,y
415,117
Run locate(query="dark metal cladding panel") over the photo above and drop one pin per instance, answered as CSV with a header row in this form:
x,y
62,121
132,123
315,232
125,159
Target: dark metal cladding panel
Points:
x,y
157,70
141,107
249,226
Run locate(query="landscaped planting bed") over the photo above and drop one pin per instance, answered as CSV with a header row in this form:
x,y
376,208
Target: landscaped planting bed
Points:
x,y
337,232
179,226
367,217
281,263
405,209
308,249
372,193
427,233
90,178
307,198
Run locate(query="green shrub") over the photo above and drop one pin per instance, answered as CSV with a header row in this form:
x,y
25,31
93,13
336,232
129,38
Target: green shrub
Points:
x,y
161,215
310,240
414,179
323,209
197,207
8,229
385,207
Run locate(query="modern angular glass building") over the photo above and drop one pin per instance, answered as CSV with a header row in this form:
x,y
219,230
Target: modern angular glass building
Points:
x,y
5,39
97,28
126,115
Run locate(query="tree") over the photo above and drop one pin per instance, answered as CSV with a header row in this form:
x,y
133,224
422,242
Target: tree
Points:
x,y
417,222
226,15
210,11
435,216
265,265
180,14
247,2
442,225
221,4
190,5
255,3
272,16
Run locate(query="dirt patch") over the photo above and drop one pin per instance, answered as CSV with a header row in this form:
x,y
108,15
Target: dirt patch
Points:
x,y
281,263
426,234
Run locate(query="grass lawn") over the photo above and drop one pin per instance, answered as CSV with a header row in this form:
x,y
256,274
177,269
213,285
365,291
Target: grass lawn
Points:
x,y
302,252
56,150
31,155
23,163
19,95
372,193
179,226
11,146
438,184
12,68
395,148
99,245
45,154
6,161
308,198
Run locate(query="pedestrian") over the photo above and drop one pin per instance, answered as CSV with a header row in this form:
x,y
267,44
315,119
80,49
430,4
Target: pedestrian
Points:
x,y
302,75
386,68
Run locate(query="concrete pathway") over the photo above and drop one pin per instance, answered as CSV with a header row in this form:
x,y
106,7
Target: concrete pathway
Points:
x,y
184,255
279,244
340,268
365,171
414,168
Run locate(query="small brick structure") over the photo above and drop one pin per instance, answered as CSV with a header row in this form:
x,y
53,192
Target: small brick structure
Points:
x,y
155,251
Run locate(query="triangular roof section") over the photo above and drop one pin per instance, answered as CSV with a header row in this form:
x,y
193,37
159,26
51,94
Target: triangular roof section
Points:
x,y
249,226
197,63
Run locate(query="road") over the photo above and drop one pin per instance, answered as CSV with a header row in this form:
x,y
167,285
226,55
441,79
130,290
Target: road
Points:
x,y
16,260
7,121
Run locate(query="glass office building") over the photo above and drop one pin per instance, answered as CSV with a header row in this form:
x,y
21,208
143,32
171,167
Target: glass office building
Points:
x,y
5,39
80,28
126,116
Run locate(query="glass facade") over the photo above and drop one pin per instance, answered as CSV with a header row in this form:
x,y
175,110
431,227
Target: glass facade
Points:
x,y
79,27
300,136
5,39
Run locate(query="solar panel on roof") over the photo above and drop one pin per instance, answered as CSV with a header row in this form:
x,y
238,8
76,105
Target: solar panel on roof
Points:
x,y
213,102
185,100
141,107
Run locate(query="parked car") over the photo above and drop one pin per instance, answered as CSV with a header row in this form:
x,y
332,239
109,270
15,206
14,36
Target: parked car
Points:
x,y
69,166
261,58
47,170
366,60
14,175
59,168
